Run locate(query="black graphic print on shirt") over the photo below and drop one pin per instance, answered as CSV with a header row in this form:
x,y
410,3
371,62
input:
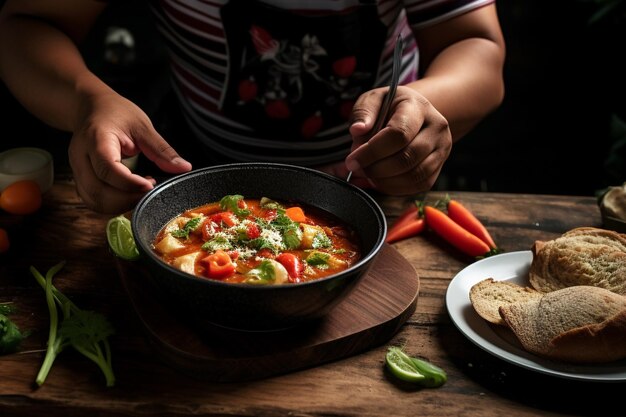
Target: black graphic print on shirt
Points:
x,y
292,75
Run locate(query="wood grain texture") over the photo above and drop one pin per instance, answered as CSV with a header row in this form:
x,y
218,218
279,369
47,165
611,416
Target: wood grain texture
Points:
x,y
370,315
478,383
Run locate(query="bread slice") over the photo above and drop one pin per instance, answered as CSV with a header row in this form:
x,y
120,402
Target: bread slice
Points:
x,y
488,295
581,256
578,324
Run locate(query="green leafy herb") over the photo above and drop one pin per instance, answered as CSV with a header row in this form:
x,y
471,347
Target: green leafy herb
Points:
x,y
292,238
85,331
231,203
218,242
262,243
6,308
321,240
318,259
10,335
290,230
190,226
264,273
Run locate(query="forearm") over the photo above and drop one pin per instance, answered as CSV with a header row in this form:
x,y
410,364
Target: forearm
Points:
x,y
45,71
464,83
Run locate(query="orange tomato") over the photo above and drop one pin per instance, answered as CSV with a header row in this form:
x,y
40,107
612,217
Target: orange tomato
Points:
x,y
4,241
21,197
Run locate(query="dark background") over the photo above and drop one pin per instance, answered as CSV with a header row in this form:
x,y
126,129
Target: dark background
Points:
x,y
556,132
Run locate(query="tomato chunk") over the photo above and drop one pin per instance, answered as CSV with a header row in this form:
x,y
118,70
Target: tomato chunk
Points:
x,y
292,264
226,217
253,231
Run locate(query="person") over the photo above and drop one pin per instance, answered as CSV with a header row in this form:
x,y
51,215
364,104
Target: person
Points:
x,y
272,80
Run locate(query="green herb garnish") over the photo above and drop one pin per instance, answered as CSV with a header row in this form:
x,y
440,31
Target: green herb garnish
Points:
x,y
85,331
218,242
289,230
231,203
10,334
189,227
6,308
321,240
318,259
264,273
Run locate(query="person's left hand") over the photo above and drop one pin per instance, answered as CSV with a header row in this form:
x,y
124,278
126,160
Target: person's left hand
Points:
x,y
406,156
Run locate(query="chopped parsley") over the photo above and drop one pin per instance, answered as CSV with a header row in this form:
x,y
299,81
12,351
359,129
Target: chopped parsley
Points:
x,y
321,240
218,242
318,259
190,226
10,334
264,273
290,230
232,203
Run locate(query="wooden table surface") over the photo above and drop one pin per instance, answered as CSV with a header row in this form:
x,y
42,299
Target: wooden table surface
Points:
x,y
479,384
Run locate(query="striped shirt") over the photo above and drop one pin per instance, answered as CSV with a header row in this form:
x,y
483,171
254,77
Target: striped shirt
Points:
x,y
195,34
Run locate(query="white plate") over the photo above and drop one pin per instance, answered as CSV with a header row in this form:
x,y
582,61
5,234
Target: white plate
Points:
x,y
501,342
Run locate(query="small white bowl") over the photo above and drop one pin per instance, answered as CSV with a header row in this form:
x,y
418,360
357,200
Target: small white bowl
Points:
x,y
26,164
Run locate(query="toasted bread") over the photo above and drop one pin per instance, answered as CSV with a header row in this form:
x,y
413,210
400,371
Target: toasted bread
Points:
x,y
488,295
581,256
577,324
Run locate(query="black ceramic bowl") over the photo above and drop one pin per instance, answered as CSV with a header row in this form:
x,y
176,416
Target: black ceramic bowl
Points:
x,y
244,306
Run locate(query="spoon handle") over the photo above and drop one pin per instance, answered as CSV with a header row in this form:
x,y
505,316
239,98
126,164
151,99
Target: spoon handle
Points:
x,y
385,108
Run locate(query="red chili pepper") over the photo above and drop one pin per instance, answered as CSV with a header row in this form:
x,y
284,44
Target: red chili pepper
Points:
x,y
454,234
408,224
219,265
466,219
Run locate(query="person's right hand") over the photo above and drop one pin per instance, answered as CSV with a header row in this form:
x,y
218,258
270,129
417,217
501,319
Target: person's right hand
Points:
x,y
406,156
109,129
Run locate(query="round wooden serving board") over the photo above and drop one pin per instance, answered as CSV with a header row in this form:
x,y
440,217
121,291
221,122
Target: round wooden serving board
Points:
x,y
368,317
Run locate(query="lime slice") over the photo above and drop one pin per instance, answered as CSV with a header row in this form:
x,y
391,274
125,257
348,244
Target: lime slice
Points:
x,y
120,238
401,365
